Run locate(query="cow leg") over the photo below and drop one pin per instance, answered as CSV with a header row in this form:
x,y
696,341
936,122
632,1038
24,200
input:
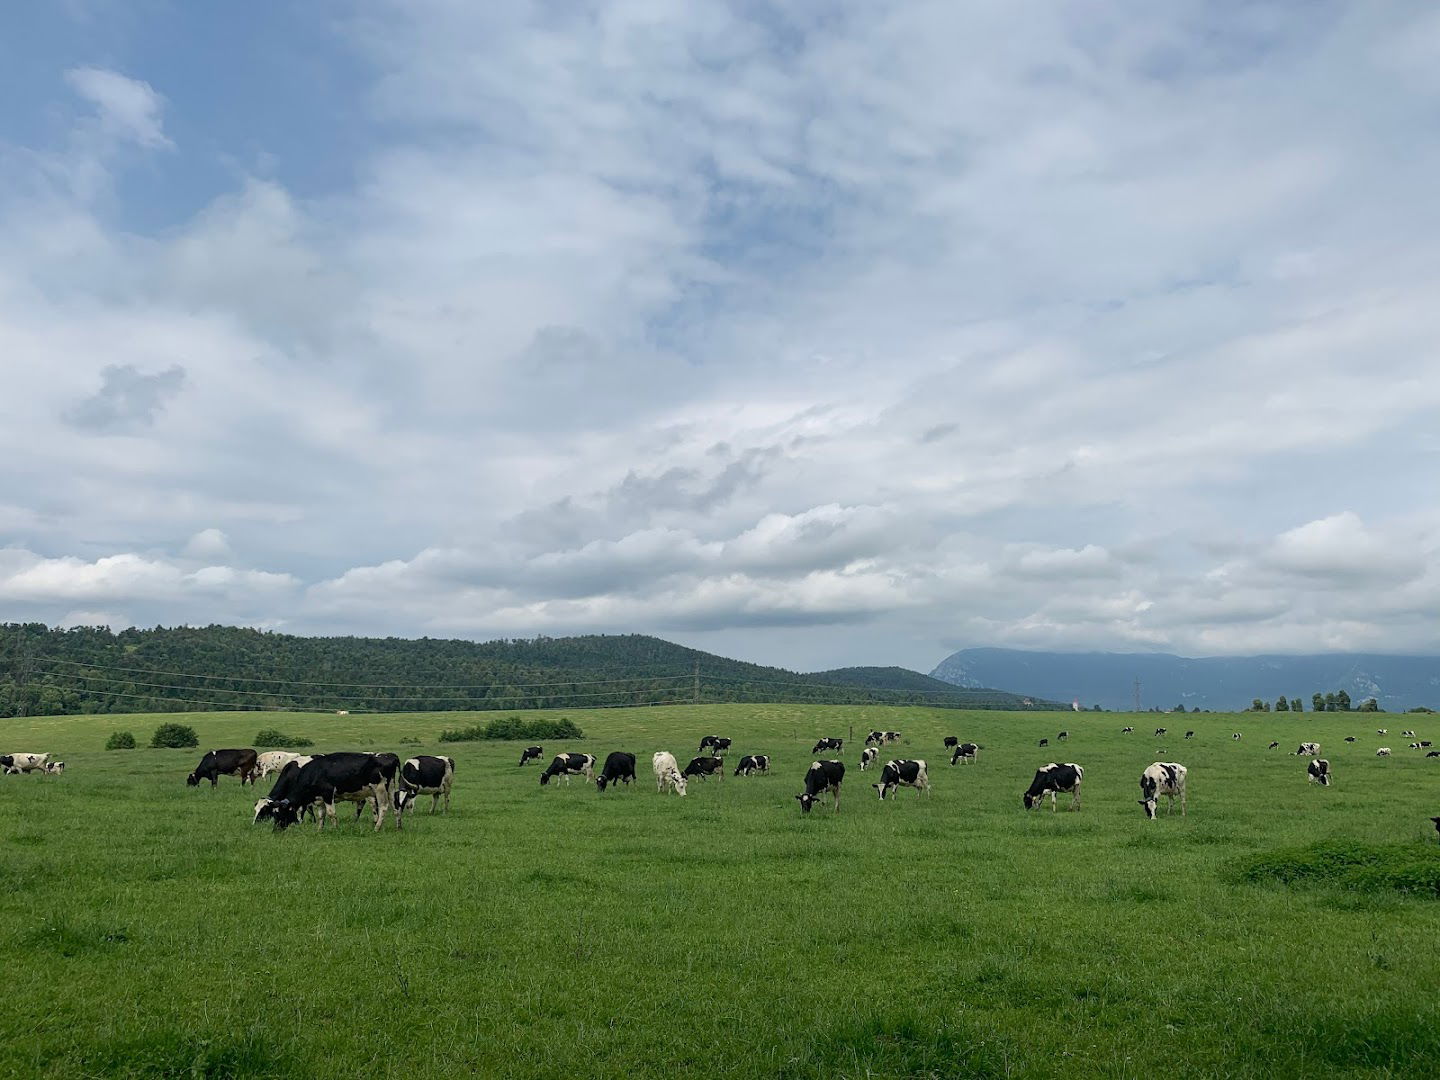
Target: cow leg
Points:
x,y
380,809
1075,800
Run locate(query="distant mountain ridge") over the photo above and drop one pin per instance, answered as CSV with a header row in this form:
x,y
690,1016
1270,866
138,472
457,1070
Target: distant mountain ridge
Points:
x,y
1213,682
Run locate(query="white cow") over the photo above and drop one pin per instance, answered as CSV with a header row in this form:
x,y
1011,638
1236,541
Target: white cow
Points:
x,y
667,773
1308,749
23,763
1162,778
272,761
1384,751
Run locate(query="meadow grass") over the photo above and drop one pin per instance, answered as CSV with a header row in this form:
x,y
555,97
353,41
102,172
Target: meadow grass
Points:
x,y
150,931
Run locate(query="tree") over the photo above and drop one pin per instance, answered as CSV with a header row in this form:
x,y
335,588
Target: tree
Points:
x,y
120,740
1317,702
1257,705
1296,705
1281,705
1330,702
1179,708
174,736
1342,701
1369,705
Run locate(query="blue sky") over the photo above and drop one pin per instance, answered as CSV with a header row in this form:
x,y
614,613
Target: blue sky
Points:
x,y
813,339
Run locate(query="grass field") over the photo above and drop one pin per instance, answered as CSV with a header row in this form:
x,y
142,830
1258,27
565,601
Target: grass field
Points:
x,y
149,930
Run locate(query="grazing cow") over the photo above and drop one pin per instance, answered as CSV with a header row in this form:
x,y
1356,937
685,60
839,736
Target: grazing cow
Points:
x,y
1162,778
218,763
1126,730
1407,733
55,768
568,765
892,736
875,738
822,776
1318,772
1414,746
327,779
1433,753
753,763
1063,735
272,761
828,744
902,773
531,753
951,742
1349,738
868,756
1382,731
1236,736
715,743
14,764
667,773
705,767
1424,742
1384,751
1273,746
1189,734
1160,731
1051,780
425,775
1308,749
967,752
619,769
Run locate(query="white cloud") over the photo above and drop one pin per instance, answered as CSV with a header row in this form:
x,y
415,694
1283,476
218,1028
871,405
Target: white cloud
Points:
x,y
128,108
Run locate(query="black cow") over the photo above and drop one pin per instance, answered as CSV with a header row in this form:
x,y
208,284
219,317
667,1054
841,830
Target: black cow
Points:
x,y
425,775
951,742
1319,771
965,752
568,765
874,738
619,767
902,773
531,753
1349,738
326,779
822,776
828,744
1063,735
753,763
218,763
1051,780
1189,734
1424,742
1433,753
1044,742
714,743
705,767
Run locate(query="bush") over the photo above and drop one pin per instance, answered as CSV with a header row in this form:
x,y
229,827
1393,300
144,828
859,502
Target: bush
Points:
x,y
174,736
272,738
120,740
514,729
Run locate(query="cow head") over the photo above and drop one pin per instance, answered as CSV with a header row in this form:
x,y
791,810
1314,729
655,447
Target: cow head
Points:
x,y
806,802
402,800
600,781
1032,801
193,780
279,811
544,778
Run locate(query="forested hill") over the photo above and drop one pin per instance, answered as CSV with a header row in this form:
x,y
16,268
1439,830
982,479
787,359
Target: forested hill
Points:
x,y
87,669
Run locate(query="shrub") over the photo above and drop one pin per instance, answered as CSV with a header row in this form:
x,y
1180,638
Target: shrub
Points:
x,y
515,729
174,736
120,740
272,738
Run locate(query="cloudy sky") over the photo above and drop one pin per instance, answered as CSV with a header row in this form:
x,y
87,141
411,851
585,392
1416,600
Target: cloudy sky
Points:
x,y
814,334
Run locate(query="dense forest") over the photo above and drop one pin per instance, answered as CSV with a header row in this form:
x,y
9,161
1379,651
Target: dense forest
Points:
x,y
94,670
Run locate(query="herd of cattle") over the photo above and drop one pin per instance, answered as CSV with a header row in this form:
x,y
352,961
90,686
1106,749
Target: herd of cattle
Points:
x,y
313,784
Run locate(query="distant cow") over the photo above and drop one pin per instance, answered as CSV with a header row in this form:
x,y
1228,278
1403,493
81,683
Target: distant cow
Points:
x,y
1189,734
272,761
1160,731
868,756
425,774
1382,731
1407,733
1424,742
667,772
1273,746
828,744
1044,742
1063,735
951,742
705,767
1349,738
1433,753
902,773
753,763
892,736
55,768
1051,780
531,753
822,776
14,764
1414,746
1308,749
965,752
1162,778
327,779
875,738
619,769
218,763
1126,730
1384,751
1319,772
568,765
715,744
1236,736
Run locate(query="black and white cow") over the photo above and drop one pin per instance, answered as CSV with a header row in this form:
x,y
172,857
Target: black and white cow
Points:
x,y
14,764
327,779
1051,780
619,769
828,744
1433,753
753,763
1236,736
1424,742
667,773
1189,734
1161,730
868,756
1319,772
1382,731
902,773
1407,733
705,767
1308,749
892,736
822,776
1384,751
55,768
1349,738
965,752
1063,736
1126,730
1273,746
568,765
715,744
218,763
875,738
531,753
1044,742
1162,778
424,774
951,742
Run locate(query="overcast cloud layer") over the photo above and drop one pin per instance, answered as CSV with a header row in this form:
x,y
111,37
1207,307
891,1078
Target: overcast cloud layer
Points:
x,y
814,334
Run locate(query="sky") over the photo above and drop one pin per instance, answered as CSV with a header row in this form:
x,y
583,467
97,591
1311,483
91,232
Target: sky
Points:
x,y
810,334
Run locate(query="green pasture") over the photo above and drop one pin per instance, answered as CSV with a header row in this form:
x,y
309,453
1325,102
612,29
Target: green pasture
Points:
x,y
1281,929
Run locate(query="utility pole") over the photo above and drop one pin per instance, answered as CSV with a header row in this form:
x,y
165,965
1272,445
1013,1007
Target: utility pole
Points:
x,y
24,656
1137,693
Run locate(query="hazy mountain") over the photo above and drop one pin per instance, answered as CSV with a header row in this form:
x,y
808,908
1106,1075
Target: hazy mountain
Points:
x,y
1215,682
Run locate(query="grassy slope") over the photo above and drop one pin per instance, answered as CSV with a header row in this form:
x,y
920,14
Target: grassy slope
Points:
x,y
149,930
